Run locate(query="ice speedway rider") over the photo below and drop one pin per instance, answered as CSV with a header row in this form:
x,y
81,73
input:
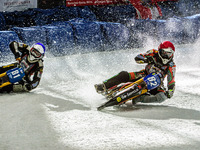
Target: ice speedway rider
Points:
x,y
157,60
30,58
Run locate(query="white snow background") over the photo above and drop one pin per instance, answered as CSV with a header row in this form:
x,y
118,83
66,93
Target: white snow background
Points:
x,y
61,113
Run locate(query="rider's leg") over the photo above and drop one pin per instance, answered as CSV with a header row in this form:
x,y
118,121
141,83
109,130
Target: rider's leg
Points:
x,y
122,77
157,98
115,80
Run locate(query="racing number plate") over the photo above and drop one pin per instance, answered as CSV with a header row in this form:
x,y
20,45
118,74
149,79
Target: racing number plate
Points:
x,y
15,75
152,80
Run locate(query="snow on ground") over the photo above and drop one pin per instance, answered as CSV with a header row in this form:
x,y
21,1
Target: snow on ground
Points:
x,y
61,113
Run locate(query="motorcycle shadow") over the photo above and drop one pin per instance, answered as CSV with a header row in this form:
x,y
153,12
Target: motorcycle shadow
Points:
x,y
153,111
129,107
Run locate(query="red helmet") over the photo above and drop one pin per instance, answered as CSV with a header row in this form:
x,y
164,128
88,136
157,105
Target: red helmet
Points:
x,y
166,51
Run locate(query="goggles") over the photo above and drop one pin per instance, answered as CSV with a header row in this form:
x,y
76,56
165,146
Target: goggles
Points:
x,y
166,53
35,53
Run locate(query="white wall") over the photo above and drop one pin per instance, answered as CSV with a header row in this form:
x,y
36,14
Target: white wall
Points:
x,y
17,5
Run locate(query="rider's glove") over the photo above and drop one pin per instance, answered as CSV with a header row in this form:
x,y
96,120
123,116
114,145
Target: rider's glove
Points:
x,y
169,93
18,59
140,59
150,60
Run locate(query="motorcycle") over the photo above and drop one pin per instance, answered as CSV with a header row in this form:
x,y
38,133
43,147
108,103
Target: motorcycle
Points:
x,y
129,91
11,76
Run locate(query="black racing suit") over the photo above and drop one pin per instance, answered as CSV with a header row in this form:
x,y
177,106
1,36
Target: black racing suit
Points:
x,y
33,69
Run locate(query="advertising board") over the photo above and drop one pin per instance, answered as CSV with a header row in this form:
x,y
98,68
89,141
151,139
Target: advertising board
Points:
x,y
91,2
17,5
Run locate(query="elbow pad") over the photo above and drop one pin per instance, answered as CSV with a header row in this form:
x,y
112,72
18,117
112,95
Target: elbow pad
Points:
x,y
140,59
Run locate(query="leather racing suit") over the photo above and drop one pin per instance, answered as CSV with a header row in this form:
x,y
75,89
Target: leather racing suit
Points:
x,y
154,62
33,70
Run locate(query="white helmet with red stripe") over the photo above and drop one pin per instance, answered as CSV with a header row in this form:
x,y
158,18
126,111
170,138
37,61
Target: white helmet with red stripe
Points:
x,y
36,53
166,51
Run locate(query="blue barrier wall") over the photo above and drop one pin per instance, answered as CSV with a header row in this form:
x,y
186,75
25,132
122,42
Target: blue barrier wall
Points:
x,y
88,36
171,29
86,14
115,35
141,29
81,35
191,28
39,17
60,40
5,38
31,35
2,22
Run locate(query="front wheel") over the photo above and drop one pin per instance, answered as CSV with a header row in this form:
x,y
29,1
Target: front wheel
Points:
x,y
111,102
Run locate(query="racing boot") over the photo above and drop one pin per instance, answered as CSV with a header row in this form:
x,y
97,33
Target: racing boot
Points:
x,y
148,98
100,88
140,98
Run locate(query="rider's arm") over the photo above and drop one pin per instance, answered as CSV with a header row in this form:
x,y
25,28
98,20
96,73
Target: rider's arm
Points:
x,y
145,58
17,47
14,47
171,80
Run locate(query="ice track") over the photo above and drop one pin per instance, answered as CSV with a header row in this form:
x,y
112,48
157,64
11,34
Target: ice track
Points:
x,y
61,113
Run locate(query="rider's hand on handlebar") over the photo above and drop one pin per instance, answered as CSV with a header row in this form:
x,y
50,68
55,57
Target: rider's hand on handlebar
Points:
x,y
18,59
169,93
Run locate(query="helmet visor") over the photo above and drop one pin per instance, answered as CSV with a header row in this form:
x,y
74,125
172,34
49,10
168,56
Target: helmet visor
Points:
x,y
166,53
34,52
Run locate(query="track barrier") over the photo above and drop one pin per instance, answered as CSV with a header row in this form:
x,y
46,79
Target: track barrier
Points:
x,y
80,32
